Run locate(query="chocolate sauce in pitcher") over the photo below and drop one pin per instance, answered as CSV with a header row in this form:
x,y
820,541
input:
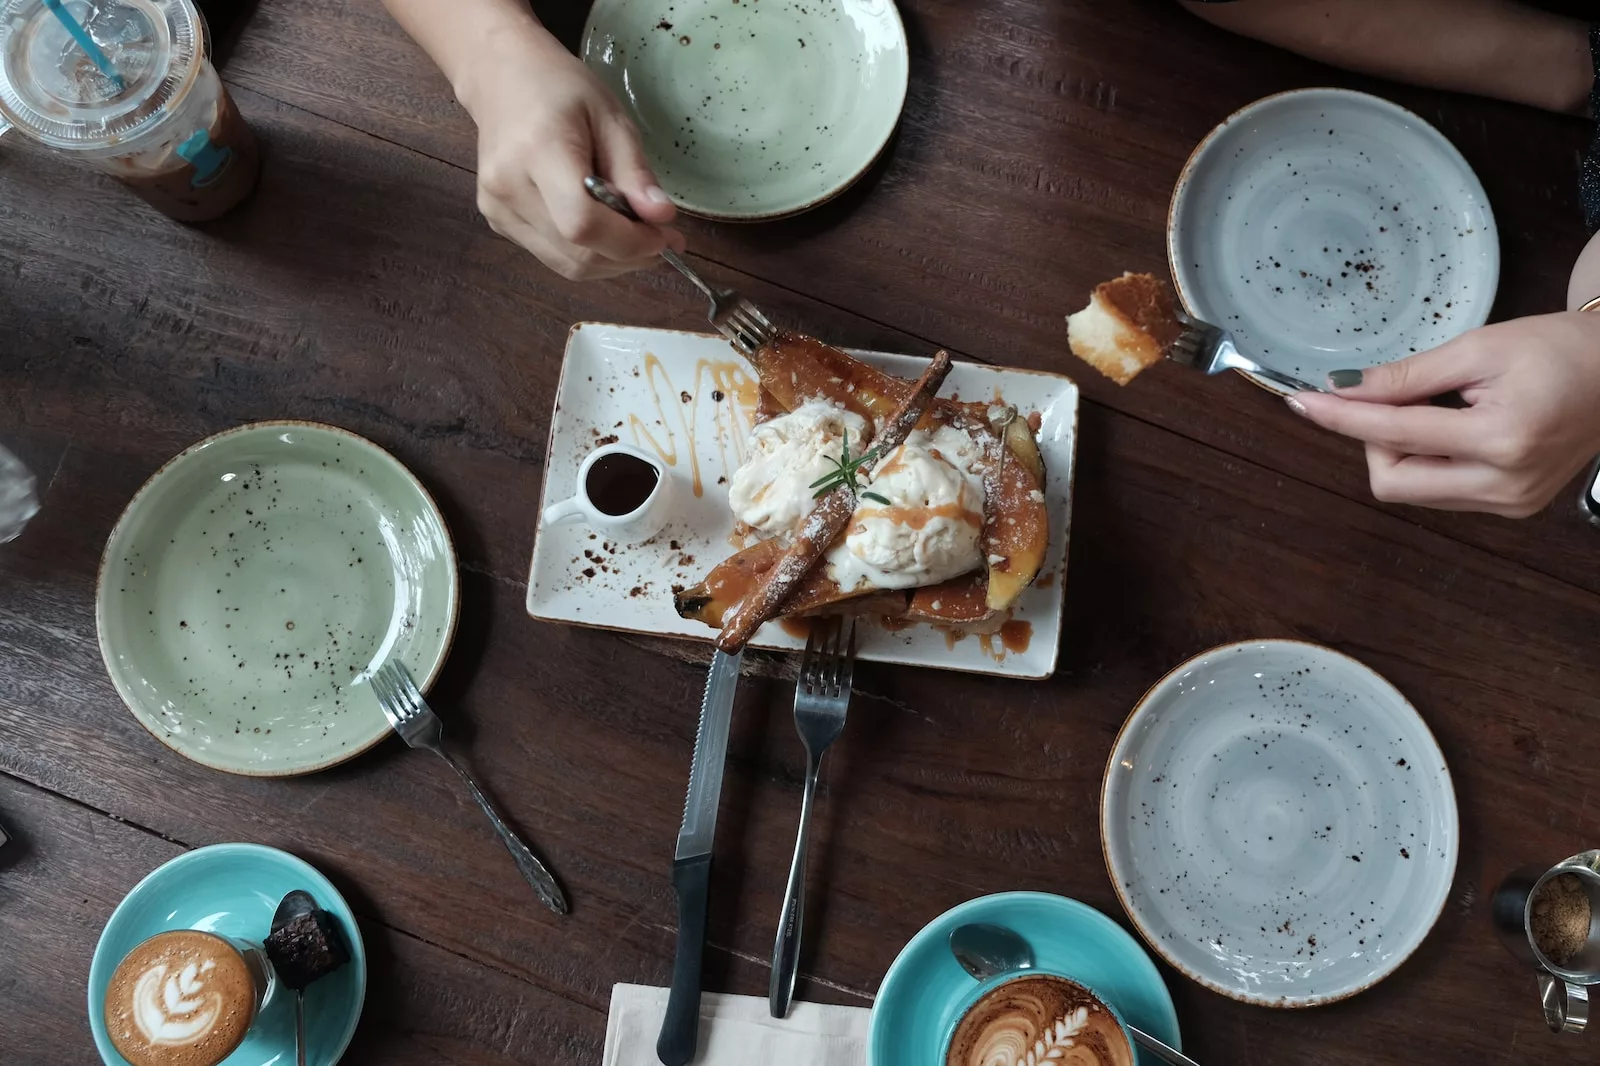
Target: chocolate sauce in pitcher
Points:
x,y
620,483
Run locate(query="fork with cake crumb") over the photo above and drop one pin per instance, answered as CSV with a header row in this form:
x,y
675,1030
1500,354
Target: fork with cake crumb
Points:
x,y
1133,322
1210,348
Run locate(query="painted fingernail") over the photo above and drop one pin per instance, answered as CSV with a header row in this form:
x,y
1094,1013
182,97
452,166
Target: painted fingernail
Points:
x,y
1344,379
1295,405
656,195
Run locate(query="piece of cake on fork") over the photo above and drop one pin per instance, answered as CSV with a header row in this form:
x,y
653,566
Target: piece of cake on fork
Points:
x,y
1130,323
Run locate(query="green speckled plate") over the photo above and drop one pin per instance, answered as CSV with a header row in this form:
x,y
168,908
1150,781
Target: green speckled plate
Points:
x,y
254,582
754,109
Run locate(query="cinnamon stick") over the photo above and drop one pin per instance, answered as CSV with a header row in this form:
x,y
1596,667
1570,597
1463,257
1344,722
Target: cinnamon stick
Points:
x,y
826,520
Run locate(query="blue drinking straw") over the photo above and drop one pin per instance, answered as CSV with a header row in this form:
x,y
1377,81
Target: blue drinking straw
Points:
x,y
81,35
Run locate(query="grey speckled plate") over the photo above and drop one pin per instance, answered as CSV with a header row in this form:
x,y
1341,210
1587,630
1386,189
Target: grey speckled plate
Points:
x,y
1330,229
254,582
1279,823
754,109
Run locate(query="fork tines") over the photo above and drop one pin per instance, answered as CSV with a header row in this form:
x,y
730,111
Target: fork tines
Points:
x,y
828,665
745,325
1197,345
397,693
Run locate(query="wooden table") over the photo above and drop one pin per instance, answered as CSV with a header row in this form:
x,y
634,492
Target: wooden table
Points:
x,y
1039,145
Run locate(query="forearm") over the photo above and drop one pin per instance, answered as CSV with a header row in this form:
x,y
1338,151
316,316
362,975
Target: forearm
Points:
x,y
1489,47
466,37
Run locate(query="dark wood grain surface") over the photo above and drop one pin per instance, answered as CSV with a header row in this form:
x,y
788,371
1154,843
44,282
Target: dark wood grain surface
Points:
x,y
359,287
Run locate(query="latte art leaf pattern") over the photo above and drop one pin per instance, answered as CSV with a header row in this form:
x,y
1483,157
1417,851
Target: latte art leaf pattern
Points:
x,y
1039,1021
1007,1044
182,998
1056,1041
175,1007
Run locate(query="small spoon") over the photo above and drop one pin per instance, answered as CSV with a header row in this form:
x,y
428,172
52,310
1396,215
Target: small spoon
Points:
x,y
292,906
986,951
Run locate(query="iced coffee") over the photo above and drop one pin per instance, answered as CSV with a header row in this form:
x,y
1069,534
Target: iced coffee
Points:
x,y
147,108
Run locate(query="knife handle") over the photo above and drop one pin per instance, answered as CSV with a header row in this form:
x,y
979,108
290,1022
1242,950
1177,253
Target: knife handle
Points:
x,y
680,1029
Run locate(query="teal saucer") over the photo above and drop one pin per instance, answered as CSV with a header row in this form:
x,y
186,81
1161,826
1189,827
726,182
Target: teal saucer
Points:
x,y
925,989
233,889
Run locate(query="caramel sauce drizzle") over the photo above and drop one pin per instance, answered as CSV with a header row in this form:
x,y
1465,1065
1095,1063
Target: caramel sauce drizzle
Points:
x,y
1014,636
915,517
732,423
799,628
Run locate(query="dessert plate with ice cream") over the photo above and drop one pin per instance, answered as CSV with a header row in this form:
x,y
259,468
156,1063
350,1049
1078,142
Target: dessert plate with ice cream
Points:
x,y
956,544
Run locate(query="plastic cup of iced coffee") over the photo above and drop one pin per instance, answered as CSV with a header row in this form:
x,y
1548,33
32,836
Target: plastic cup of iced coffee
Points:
x,y
161,123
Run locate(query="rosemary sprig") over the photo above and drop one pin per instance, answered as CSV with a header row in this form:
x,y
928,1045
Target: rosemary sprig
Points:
x,y
846,471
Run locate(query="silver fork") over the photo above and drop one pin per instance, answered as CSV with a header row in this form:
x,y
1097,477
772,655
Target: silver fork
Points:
x,y
414,720
821,698
731,315
1211,349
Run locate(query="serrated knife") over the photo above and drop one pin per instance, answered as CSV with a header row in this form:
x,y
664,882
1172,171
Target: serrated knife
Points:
x,y
691,864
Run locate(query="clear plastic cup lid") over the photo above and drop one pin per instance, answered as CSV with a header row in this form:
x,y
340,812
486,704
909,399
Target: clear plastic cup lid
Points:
x,y
51,90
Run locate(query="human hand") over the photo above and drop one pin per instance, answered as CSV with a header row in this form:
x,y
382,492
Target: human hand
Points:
x,y
544,124
1532,386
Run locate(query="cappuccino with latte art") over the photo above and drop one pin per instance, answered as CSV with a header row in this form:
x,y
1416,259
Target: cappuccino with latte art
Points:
x,y
1039,1018
183,998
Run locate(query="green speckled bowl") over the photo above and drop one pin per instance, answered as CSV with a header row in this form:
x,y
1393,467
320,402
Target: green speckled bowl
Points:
x,y
254,582
754,109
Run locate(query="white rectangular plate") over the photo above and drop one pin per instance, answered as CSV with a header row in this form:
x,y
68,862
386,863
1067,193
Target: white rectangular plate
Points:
x,y
689,398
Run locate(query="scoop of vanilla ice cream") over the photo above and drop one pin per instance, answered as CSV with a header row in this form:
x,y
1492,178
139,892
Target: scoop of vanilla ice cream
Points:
x,y
929,531
771,491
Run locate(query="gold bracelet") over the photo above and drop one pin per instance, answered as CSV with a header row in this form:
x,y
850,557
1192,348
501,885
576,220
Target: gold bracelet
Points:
x,y
1592,305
